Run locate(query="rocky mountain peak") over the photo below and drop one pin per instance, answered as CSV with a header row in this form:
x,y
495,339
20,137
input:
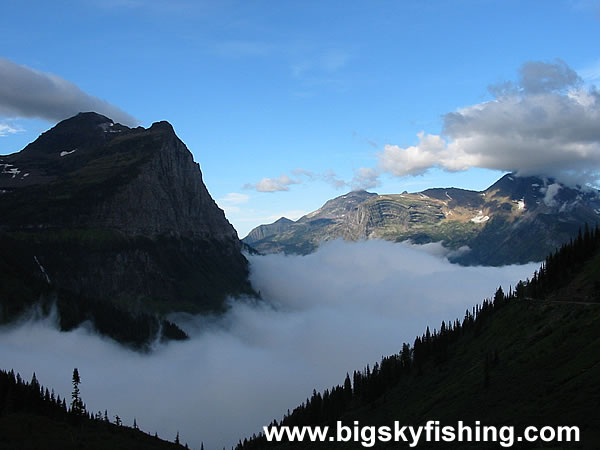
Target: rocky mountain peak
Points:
x,y
128,210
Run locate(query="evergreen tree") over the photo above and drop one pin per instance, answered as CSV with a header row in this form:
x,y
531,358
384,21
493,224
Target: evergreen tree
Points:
x,y
76,402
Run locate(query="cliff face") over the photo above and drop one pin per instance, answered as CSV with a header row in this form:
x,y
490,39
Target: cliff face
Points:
x,y
167,197
98,211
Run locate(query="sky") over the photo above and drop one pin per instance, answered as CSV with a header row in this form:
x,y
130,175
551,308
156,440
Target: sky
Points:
x,y
323,315
288,104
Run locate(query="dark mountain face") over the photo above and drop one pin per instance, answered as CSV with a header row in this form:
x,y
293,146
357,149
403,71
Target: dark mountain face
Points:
x,y
516,220
95,210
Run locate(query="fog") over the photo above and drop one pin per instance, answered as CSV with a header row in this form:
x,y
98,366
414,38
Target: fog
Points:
x,y
322,315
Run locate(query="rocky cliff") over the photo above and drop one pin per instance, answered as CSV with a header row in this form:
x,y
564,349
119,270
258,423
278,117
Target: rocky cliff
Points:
x,y
94,211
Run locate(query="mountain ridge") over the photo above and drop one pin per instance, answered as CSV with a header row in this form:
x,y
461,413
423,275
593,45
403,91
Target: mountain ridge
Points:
x,y
515,220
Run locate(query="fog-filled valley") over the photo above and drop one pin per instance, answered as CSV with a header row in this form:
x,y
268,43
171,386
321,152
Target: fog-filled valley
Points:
x,y
321,315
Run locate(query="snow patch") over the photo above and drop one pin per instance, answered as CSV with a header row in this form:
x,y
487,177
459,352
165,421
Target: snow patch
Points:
x,y
480,218
67,153
597,211
521,204
106,127
14,171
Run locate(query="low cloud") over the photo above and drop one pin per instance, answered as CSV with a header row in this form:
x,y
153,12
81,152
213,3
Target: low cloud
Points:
x,y
28,93
549,193
323,315
544,124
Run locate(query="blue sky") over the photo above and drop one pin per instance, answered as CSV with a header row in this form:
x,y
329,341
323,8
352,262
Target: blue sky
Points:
x,y
309,99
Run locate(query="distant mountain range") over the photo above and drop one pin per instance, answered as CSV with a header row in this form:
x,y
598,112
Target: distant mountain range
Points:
x,y
114,225
516,220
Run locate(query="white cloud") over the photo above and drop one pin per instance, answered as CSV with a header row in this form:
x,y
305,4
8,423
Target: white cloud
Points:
x,y
234,198
545,125
25,92
413,160
365,178
332,179
231,200
551,192
323,315
6,129
280,183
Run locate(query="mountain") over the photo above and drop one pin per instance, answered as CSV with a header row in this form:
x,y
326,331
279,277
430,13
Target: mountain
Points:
x,y
516,220
111,222
528,357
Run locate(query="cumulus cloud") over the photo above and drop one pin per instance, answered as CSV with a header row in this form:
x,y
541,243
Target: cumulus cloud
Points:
x,y
323,315
544,124
280,183
417,159
25,92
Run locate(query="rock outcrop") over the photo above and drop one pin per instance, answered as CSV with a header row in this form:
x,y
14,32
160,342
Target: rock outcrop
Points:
x,y
95,210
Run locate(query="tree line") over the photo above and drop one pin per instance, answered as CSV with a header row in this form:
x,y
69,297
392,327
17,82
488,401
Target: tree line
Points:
x,y
18,396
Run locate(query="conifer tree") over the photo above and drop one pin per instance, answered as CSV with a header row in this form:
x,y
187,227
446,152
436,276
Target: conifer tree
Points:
x,y
76,402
